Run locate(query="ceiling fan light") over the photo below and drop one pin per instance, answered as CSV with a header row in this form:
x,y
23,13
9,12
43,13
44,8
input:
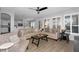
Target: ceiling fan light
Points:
x,y
38,12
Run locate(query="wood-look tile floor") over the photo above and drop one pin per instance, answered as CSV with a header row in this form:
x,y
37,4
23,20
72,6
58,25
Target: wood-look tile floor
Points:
x,y
51,46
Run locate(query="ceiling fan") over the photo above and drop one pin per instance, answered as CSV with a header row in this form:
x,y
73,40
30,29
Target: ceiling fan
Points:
x,y
38,9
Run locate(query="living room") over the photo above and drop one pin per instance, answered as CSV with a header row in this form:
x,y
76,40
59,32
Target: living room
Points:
x,y
39,29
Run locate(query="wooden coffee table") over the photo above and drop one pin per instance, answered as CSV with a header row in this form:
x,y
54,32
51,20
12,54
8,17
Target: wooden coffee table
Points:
x,y
39,37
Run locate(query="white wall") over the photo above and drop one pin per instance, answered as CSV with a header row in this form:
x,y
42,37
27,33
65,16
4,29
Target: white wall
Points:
x,y
26,22
71,37
12,23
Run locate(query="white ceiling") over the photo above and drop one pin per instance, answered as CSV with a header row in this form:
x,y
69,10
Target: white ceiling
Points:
x,y
25,12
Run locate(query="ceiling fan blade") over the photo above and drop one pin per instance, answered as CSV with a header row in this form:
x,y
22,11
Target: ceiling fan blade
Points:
x,y
32,8
43,8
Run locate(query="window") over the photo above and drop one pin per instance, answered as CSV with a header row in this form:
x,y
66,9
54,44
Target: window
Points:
x,y
32,24
75,24
72,23
67,23
54,23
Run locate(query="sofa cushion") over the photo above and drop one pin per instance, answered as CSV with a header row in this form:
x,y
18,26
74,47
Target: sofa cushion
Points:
x,y
52,35
3,39
14,39
19,33
20,46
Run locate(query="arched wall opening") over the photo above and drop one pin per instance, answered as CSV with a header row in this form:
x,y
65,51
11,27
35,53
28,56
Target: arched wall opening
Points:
x,y
5,23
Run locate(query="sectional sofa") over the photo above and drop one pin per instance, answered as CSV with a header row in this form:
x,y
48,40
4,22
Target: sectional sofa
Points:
x,y
20,43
